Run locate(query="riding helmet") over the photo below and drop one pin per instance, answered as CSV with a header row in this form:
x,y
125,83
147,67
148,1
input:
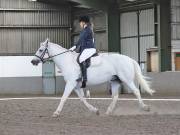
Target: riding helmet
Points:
x,y
84,19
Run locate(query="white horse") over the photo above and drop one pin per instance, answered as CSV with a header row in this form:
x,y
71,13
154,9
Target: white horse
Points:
x,y
111,67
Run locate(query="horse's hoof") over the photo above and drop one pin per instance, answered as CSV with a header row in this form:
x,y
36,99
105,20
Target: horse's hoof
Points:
x,y
55,115
97,112
146,108
108,113
88,94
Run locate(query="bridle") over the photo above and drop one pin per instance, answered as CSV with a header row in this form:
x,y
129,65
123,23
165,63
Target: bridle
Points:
x,y
43,60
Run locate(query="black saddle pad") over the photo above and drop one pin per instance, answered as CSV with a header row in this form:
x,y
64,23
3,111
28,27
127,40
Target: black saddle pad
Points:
x,y
88,61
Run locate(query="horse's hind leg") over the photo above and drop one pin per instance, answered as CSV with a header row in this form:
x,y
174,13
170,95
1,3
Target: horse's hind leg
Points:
x,y
136,92
80,94
115,93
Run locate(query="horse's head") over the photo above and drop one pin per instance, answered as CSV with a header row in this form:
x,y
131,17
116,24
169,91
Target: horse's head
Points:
x,y
41,52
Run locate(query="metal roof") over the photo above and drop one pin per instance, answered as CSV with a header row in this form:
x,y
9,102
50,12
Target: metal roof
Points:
x,y
100,4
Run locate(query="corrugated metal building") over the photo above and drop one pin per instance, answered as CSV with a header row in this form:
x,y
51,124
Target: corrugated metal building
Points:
x,y
24,24
137,34
129,27
175,28
139,30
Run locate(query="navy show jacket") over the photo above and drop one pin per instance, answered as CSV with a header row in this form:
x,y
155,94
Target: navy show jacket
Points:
x,y
85,39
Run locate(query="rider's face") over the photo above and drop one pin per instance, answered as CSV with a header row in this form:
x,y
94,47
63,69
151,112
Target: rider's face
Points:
x,y
82,24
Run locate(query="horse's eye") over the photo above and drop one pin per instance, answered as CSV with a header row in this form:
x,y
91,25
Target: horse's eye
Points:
x,y
40,50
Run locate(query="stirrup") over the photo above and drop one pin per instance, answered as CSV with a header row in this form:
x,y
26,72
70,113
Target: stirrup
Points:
x,y
79,79
83,84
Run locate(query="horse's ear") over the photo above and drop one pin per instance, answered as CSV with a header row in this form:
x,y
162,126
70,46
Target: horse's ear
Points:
x,y
47,41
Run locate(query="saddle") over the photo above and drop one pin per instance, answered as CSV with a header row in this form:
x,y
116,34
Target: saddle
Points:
x,y
92,61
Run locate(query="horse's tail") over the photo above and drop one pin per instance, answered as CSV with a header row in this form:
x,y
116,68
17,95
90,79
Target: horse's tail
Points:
x,y
141,79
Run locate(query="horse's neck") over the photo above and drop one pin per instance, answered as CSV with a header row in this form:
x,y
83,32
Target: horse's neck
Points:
x,y
63,60
55,49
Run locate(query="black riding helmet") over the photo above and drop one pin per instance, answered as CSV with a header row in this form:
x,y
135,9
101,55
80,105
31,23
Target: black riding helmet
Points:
x,y
84,19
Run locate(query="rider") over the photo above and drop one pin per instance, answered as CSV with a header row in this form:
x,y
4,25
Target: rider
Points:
x,y
85,46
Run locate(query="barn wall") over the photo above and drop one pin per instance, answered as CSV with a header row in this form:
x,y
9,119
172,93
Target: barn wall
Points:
x,y
175,30
21,85
165,83
129,34
175,19
24,24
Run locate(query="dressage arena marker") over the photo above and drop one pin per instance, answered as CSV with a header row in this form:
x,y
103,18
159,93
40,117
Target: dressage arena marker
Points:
x,y
56,98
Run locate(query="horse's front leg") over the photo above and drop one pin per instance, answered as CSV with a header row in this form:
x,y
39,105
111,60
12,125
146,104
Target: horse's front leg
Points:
x,y
80,94
68,89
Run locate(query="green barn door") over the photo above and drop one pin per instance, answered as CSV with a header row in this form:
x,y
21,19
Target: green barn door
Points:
x,y
49,78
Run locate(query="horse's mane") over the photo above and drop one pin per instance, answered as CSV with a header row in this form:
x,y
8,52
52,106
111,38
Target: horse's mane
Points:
x,y
56,45
62,48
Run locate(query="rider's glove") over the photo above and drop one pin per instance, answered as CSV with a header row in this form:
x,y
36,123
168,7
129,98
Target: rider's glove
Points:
x,y
72,48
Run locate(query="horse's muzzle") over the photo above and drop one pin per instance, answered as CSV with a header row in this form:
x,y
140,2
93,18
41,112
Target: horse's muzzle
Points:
x,y
35,62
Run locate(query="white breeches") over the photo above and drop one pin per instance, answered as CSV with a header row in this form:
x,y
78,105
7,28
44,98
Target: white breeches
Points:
x,y
86,54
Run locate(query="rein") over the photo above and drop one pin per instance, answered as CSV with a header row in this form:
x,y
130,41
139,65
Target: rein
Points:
x,y
49,57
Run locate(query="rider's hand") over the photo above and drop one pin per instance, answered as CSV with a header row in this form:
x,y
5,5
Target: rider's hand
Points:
x,y
72,48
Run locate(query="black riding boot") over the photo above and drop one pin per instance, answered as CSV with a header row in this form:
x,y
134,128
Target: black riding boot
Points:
x,y
84,74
